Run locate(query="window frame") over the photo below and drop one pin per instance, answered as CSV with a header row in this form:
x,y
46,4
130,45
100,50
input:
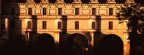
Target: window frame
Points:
x,y
29,11
29,24
44,11
59,25
110,25
93,11
93,25
110,11
44,24
59,11
76,11
76,24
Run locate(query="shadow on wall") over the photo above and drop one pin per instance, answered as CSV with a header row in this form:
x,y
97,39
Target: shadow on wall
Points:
x,y
63,35
14,44
11,10
110,45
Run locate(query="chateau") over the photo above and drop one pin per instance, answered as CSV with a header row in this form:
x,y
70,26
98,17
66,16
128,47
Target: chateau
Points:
x,y
60,20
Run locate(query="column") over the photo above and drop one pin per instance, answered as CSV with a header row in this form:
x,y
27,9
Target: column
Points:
x,y
6,30
28,36
126,44
57,43
57,38
92,39
91,43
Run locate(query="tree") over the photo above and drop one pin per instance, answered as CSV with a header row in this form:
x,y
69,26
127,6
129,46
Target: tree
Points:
x,y
133,15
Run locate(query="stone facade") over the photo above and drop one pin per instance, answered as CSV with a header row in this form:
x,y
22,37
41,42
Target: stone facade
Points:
x,y
17,24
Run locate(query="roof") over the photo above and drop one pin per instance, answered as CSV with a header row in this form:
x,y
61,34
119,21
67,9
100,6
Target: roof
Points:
x,y
70,1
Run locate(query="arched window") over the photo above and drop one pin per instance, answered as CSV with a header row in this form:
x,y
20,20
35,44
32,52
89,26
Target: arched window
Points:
x,y
59,25
29,25
93,25
76,24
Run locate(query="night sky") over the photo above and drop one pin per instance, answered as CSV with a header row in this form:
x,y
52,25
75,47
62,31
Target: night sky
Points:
x,y
84,1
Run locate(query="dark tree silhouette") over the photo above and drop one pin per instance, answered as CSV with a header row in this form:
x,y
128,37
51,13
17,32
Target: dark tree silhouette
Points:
x,y
133,15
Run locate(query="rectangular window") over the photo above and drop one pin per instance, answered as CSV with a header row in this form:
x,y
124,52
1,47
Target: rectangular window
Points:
x,y
76,24
44,25
93,11
76,11
44,11
110,11
29,11
59,11
110,25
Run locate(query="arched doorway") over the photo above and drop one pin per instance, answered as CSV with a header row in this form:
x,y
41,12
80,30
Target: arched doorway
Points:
x,y
77,44
111,45
45,44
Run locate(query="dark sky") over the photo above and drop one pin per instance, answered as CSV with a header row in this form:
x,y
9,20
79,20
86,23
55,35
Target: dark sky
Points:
x,y
84,1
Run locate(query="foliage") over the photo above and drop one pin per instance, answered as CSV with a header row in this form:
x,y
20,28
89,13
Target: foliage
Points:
x,y
134,14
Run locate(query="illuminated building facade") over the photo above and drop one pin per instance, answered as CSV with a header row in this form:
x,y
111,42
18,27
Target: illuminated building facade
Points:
x,y
62,19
